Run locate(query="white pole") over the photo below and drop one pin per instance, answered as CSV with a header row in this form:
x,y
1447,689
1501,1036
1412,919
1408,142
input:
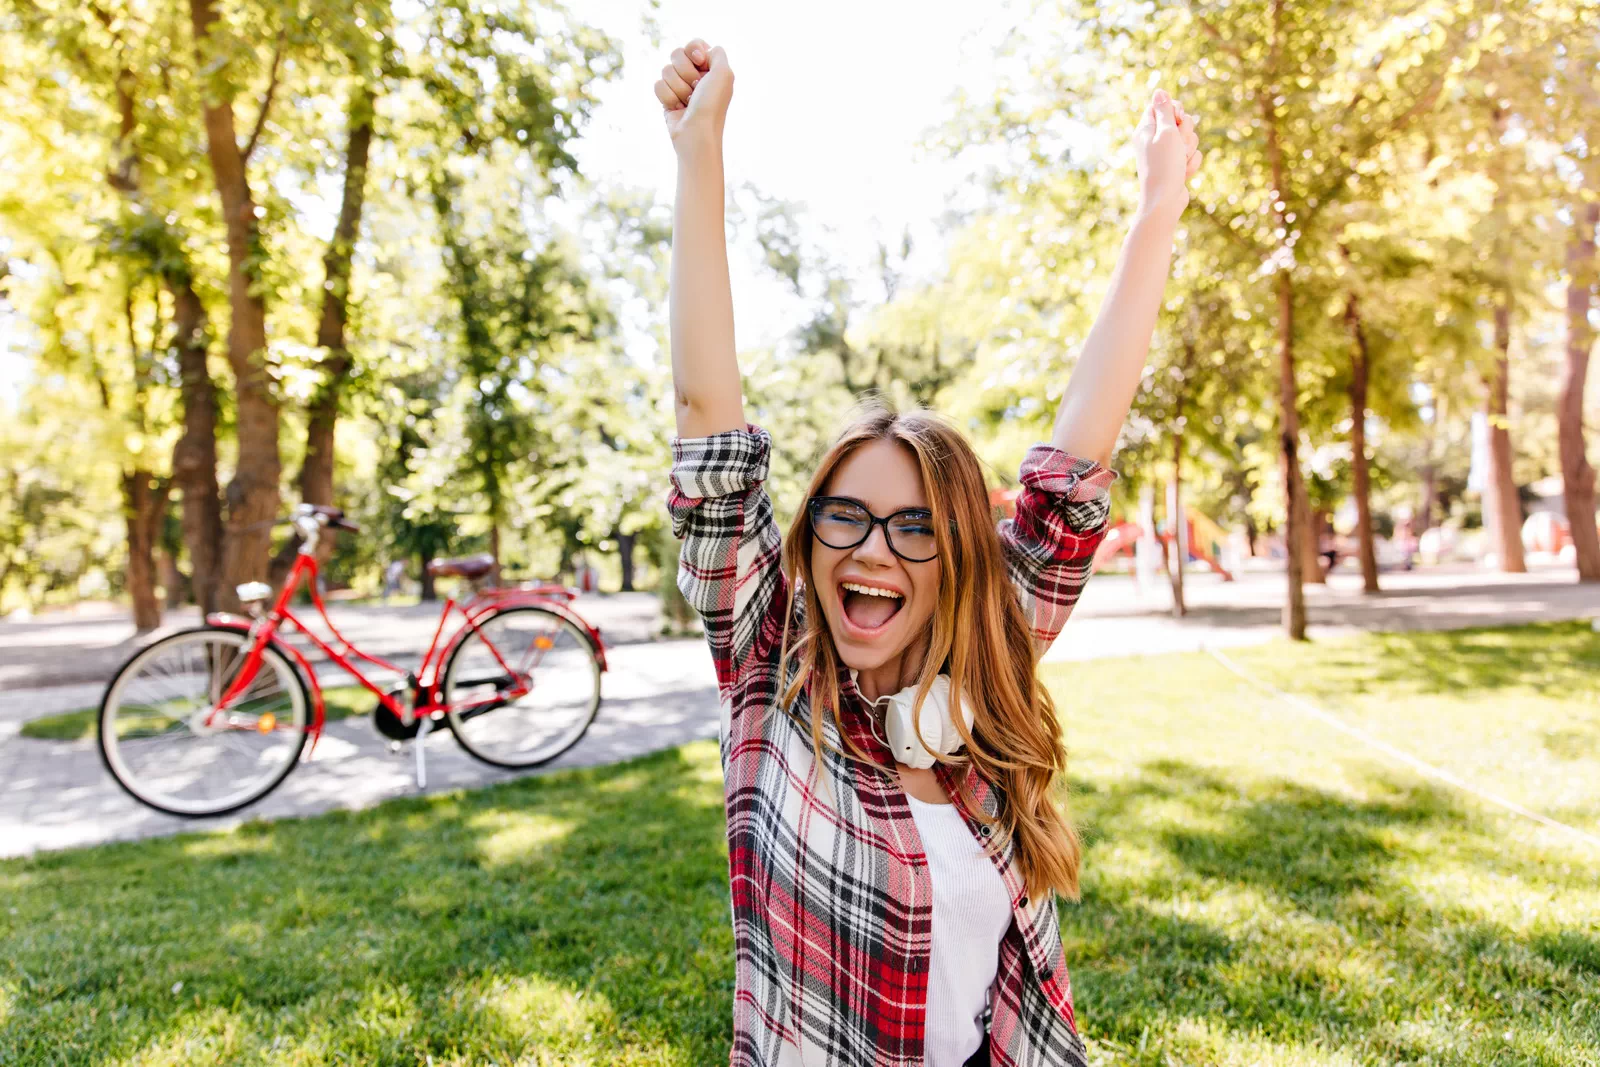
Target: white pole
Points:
x,y
1145,550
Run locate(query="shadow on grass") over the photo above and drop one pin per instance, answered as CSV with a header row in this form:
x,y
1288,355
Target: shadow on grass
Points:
x,y
1558,659
1277,914
583,915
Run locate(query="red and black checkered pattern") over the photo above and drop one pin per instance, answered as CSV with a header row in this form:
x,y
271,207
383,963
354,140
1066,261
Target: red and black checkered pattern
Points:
x,y
832,900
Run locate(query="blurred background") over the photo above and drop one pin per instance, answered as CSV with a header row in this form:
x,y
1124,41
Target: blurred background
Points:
x,y
409,259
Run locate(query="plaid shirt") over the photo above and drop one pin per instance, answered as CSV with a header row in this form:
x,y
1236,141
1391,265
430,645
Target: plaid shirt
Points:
x,y
832,900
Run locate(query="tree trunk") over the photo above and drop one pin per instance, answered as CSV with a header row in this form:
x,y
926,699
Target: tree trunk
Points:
x,y
172,580
316,474
194,457
1311,569
1425,505
428,594
1294,609
253,495
1360,367
1294,491
494,550
625,555
1177,526
1577,476
144,505
1502,511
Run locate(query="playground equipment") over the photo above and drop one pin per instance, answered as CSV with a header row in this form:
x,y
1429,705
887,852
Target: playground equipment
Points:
x,y
1549,532
1121,540
1207,542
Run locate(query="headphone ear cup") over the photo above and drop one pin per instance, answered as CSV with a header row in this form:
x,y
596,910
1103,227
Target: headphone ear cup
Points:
x,y
938,730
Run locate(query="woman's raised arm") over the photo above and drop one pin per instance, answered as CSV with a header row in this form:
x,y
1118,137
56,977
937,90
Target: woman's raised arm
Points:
x,y
695,89
1112,361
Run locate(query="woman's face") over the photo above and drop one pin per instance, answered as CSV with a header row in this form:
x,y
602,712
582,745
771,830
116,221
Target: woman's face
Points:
x,y
876,603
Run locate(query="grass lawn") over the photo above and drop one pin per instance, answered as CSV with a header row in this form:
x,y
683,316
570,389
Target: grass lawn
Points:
x,y
1258,888
340,702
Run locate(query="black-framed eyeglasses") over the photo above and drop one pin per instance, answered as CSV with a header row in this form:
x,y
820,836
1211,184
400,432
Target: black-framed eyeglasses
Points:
x,y
839,522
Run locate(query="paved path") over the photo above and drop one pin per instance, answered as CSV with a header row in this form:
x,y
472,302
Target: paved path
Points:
x,y
56,794
1249,611
658,694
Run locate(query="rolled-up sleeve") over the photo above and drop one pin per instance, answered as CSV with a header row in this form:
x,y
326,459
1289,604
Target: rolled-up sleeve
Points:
x,y
730,569
1061,518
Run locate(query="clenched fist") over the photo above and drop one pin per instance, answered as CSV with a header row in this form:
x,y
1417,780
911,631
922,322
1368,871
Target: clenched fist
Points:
x,y
1167,151
695,89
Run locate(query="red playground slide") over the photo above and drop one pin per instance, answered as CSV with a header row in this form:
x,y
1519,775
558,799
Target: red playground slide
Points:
x,y
1122,537
1198,552
1120,540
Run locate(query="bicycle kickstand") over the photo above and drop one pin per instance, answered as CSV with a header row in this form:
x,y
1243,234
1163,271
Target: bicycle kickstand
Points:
x,y
422,763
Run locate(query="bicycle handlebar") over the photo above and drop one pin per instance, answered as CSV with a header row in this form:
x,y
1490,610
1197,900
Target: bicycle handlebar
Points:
x,y
332,518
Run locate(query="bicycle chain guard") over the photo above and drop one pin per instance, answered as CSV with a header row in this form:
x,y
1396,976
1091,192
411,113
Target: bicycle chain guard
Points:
x,y
388,723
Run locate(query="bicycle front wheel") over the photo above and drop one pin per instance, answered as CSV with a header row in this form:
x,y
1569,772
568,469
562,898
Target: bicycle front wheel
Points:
x,y
522,687
165,741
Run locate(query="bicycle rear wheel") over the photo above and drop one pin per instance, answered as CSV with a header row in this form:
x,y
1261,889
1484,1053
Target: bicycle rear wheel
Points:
x,y
164,743
522,688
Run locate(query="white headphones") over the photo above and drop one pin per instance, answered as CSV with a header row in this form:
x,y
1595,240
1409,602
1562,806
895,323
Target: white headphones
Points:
x,y
938,728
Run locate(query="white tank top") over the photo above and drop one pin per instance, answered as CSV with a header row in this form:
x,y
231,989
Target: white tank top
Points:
x,y
971,913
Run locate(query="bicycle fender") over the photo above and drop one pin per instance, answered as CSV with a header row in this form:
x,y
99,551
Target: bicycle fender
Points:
x,y
554,607
592,633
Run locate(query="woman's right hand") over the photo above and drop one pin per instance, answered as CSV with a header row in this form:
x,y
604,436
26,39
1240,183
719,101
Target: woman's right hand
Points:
x,y
694,90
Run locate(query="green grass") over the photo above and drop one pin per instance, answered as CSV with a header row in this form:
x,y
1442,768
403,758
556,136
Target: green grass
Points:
x,y
340,702
1258,889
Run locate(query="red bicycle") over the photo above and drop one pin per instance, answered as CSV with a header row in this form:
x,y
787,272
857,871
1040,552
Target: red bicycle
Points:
x,y
208,720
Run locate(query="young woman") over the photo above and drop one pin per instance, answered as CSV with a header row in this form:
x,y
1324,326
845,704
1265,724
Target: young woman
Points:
x,y
891,759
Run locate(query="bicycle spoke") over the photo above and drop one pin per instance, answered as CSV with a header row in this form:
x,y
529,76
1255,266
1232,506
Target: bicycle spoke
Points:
x,y
168,743
538,712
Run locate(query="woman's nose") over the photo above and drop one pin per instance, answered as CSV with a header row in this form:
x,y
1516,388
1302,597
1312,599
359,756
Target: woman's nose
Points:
x,y
875,549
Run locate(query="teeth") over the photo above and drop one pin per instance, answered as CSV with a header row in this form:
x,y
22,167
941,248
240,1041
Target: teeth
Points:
x,y
871,590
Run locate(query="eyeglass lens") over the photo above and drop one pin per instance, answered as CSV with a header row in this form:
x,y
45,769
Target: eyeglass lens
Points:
x,y
844,524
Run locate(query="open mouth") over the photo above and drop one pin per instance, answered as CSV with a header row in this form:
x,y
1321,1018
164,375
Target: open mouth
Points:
x,y
869,608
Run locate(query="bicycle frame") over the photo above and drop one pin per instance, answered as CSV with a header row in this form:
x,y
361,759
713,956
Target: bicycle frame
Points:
x,y
428,677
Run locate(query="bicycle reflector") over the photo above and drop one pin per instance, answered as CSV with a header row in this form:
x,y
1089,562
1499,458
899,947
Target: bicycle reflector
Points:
x,y
543,643
267,723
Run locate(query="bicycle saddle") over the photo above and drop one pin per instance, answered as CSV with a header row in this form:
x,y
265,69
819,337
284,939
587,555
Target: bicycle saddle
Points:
x,y
462,566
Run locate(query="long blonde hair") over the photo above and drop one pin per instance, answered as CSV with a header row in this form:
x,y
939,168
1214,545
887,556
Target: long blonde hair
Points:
x,y
977,635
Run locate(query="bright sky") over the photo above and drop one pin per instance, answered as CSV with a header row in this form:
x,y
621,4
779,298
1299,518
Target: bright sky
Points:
x,y
831,102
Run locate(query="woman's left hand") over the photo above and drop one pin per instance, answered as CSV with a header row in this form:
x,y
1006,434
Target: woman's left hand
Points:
x,y
1166,149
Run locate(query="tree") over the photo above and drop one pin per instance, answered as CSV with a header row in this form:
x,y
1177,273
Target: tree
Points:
x,y
1502,510
1572,116
1578,479
322,413
253,493
514,302
113,58
1306,96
